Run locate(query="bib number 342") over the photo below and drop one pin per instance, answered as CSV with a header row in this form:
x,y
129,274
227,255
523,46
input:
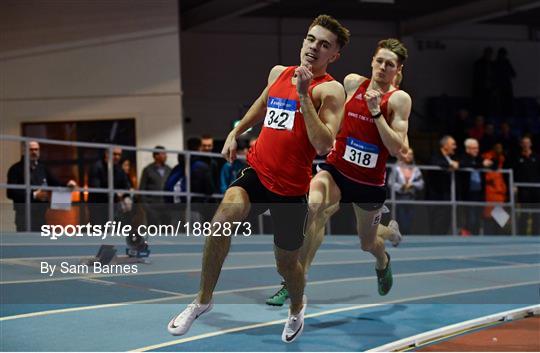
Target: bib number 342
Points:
x,y
361,153
280,113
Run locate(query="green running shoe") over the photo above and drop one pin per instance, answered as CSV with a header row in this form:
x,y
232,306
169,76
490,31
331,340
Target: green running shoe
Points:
x,y
280,297
384,278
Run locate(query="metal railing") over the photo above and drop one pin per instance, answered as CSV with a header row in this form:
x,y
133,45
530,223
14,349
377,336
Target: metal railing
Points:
x,y
453,202
111,191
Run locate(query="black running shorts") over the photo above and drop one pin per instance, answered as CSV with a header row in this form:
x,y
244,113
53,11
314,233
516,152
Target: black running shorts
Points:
x,y
288,213
367,197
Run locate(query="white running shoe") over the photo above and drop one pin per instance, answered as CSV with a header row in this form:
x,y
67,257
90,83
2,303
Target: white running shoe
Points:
x,y
396,236
180,324
294,325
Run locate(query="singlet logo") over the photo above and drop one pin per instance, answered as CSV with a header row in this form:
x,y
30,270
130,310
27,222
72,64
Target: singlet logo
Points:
x,y
359,96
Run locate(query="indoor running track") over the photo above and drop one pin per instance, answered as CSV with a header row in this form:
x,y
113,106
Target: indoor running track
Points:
x,y
438,281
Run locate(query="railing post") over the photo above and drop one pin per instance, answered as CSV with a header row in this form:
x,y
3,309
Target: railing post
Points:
x,y
28,189
454,205
260,220
110,184
187,171
512,201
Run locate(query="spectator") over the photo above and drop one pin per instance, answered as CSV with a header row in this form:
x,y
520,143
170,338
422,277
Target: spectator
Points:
x,y
504,74
472,185
39,176
207,145
201,178
98,178
408,183
477,131
132,177
488,139
483,83
509,141
527,170
439,184
230,171
153,178
496,189
176,182
461,125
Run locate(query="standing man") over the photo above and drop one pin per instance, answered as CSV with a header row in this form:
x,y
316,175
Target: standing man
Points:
x,y
527,170
153,178
472,185
97,178
301,108
439,184
207,145
39,176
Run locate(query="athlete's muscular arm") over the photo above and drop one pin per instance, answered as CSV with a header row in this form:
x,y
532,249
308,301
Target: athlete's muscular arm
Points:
x,y
321,126
402,154
254,115
394,136
351,83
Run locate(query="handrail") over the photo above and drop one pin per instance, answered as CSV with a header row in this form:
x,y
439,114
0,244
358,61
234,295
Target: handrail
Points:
x,y
111,191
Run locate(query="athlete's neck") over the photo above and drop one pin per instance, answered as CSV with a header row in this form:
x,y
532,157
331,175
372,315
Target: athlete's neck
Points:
x,y
379,87
318,72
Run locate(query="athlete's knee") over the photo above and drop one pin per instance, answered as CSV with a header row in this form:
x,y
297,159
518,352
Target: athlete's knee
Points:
x,y
234,207
287,264
367,245
315,208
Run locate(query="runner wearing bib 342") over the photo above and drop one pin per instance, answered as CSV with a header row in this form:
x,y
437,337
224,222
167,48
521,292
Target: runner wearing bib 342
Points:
x,y
300,109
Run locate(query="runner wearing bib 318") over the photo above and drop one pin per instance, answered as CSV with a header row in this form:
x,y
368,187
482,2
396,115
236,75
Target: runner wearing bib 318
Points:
x,y
374,126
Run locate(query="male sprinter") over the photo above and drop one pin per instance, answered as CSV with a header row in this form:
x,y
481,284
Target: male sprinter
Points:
x,y
374,125
302,109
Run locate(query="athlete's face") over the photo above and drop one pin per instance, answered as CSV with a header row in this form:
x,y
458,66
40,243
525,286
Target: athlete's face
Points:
x,y
320,48
385,66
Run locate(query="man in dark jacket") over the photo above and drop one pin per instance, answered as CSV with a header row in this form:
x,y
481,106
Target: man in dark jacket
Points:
x,y
39,176
439,184
527,170
153,178
98,178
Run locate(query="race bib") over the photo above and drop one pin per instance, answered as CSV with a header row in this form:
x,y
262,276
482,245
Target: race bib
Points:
x,y
361,153
280,113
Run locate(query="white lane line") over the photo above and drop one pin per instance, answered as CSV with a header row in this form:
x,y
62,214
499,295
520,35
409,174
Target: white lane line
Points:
x,y
322,250
272,265
109,283
249,289
322,313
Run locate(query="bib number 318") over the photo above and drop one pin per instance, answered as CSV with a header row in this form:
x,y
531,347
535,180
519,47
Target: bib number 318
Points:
x,y
361,153
280,113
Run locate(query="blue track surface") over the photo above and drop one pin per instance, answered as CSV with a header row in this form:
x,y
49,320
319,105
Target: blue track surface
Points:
x,y
438,281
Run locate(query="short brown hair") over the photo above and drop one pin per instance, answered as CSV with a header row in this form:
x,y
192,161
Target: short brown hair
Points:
x,y
395,46
331,24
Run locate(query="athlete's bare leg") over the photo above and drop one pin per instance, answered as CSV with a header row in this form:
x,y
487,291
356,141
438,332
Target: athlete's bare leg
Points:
x,y
323,202
385,232
234,208
367,223
289,267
